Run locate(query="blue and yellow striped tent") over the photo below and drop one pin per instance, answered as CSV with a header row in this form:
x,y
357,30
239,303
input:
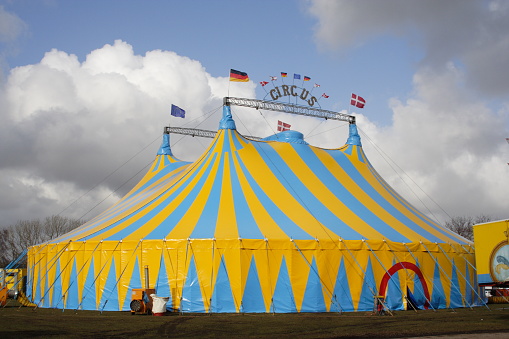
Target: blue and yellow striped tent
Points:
x,y
271,225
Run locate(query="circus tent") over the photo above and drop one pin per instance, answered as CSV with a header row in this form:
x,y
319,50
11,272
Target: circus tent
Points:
x,y
271,225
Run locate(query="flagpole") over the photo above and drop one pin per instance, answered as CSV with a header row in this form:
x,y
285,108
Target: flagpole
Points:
x,y
228,95
349,103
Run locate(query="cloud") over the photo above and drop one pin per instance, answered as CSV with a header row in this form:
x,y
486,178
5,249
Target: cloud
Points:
x,y
68,124
470,32
447,151
11,26
448,137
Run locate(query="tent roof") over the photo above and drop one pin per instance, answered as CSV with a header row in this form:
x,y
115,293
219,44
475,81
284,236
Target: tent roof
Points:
x,y
277,188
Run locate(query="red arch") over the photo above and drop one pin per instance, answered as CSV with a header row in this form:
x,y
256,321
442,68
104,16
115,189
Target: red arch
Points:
x,y
399,266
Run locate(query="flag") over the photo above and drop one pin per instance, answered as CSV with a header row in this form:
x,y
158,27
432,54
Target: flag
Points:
x,y
296,76
325,95
273,78
238,76
284,74
306,78
177,112
282,126
357,101
263,83
316,85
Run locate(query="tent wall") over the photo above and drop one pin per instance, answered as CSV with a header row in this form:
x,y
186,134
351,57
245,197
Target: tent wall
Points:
x,y
243,275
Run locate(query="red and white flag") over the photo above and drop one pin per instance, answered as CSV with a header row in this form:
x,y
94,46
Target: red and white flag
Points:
x,y
316,85
282,126
325,95
273,78
357,101
263,83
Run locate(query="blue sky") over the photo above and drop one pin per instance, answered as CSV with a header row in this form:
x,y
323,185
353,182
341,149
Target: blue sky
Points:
x,y
91,82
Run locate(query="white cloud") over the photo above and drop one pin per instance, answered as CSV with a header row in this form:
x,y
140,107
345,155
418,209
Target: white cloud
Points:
x,y
470,32
67,125
449,144
449,136
11,26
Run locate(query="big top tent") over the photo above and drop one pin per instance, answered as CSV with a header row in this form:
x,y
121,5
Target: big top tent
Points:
x,y
271,225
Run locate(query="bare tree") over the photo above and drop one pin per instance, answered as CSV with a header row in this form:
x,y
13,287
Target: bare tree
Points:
x,y
463,224
25,233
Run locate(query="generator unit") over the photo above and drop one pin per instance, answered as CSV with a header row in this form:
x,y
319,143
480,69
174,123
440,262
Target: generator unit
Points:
x,y
141,301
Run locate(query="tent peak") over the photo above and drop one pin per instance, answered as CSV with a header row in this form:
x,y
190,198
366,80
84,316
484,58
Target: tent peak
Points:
x,y
353,136
165,145
227,121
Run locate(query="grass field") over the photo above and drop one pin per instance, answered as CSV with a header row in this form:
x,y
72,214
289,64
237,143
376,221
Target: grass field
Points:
x,y
24,322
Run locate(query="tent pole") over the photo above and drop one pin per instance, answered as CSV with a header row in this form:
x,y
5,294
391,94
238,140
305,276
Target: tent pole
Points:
x,y
123,271
83,266
98,274
322,284
452,263
59,253
361,269
441,270
62,270
475,272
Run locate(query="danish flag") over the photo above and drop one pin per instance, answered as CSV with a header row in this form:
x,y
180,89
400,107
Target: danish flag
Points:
x,y
357,101
282,126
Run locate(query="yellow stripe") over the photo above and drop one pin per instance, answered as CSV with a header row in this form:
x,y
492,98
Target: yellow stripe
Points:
x,y
268,227
185,226
158,197
275,191
226,227
364,198
322,193
365,171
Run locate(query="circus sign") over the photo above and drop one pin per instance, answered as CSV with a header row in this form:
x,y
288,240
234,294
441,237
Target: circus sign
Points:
x,y
292,92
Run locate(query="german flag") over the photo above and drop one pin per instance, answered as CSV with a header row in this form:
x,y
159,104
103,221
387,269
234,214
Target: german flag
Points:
x,y
238,76
284,74
306,78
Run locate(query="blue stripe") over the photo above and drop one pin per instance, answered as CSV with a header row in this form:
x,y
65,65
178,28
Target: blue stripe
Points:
x,y
343,195
302,194
167,225
206,225
121,207
350,169
236,142
246,225
279,217
139,223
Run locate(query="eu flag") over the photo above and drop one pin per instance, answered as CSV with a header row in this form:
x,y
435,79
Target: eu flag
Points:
x,y
296,76
177,112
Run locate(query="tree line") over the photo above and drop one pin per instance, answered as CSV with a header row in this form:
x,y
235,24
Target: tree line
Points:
x,y
15,238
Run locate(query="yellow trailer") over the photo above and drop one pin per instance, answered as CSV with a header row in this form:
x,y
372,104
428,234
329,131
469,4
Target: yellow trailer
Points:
x,y
13,286
491,240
